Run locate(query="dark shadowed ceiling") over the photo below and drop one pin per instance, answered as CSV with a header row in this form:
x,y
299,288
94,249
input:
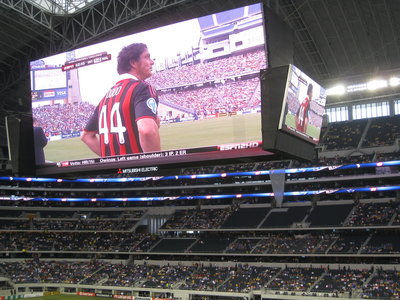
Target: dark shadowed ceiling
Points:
x,y
333,38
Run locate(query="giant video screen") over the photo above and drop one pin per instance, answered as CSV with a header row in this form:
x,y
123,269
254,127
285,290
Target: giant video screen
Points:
x,y
303,106
192,93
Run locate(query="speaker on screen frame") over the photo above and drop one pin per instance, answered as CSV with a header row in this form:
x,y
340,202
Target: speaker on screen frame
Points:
x,y
20,144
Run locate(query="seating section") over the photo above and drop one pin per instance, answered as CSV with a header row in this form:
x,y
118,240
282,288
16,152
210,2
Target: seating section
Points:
x,y
344,135
384,285
178,219
122,275
285,217
206,278
295,279
325,242
242,278
373,214
243,245
197,219
147,243
297,243
173,245
68,225
14,224
268,243
164,277
105,215
396,220
49,271
348,243
245,218
211,244
344,280
382,132
55,214
388,243
329,215
10,213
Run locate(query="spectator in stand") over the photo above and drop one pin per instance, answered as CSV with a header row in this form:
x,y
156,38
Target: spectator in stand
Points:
x,y
209,71
63,119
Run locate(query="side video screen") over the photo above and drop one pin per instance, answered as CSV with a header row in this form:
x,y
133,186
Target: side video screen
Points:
x,y
201,88
303,106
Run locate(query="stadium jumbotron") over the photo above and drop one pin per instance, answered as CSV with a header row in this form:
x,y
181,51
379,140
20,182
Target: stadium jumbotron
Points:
x,y
236,225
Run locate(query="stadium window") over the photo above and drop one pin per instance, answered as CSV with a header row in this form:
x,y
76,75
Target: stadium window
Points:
x,y
239,43
344,113
383,109
397,107
363,111
331,114
386,108
356,112
374,110
218,50
379,109
337,114
370,110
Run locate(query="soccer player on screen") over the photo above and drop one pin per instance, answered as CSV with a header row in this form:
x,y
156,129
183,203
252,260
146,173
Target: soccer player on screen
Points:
x,y
302,115
125,121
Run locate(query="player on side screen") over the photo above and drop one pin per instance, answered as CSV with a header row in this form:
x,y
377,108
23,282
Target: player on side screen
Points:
x,y
125,121
302,115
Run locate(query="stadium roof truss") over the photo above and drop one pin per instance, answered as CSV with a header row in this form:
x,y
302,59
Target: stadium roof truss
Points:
x,y
38,28
62,7
338,39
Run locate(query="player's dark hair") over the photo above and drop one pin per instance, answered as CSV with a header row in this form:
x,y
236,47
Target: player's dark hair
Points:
x,y
309,89
128,54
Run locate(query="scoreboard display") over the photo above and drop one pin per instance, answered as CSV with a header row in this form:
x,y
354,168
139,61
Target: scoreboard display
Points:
x,y
51,78
206,73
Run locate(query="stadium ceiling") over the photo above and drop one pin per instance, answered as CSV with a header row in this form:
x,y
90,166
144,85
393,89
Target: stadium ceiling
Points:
x,y
62,7
333,38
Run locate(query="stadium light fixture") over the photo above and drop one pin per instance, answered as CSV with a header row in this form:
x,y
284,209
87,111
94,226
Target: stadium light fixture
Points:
x,y
372,85
336,90
356,87
394,81
377,84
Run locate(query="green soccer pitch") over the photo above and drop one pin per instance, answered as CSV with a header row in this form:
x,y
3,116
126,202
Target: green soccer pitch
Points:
x,y
312,130
189,134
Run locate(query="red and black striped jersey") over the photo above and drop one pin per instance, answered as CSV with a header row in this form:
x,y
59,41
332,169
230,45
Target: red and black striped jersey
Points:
x,y
302,114
115,117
